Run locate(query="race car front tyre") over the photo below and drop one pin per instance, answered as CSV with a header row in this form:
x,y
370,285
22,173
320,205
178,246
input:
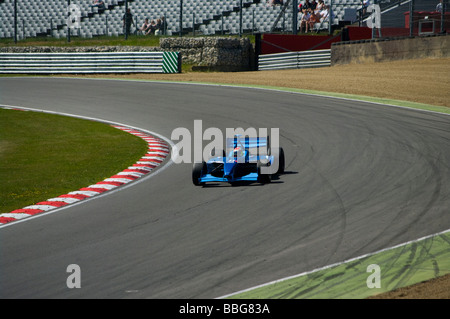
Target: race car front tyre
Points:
x,y
263,178
197,171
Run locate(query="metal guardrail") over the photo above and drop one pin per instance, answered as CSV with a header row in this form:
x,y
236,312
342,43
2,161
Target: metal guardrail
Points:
x,y
90,62
295,60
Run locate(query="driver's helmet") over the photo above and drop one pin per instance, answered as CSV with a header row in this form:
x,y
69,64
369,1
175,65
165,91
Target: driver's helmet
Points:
x,y
238,152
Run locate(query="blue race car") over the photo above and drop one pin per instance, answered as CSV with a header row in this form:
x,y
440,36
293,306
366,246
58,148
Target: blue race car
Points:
x,y
240,164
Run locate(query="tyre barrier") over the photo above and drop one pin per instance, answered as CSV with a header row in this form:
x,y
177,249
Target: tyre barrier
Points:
x,y
295,60
90,62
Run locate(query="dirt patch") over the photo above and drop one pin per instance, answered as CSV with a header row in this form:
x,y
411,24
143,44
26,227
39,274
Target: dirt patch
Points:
x,y
438,288
422,81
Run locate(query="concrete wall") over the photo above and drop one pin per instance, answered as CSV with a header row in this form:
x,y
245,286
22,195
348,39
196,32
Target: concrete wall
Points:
x,y
390,49
213,53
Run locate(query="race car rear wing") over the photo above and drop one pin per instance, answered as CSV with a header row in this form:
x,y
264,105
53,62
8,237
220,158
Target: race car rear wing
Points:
x,y
248,142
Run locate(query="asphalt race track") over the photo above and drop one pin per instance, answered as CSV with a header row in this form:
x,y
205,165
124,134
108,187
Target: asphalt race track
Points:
x,y
360,177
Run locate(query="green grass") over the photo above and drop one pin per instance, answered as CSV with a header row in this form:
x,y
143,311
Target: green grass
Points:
x,y
46,155
133,40
399,267
139,40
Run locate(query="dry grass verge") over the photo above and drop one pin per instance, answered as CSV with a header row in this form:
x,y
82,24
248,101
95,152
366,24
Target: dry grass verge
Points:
x,y
423,81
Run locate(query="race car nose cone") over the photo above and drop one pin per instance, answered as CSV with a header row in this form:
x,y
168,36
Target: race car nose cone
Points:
x,y
227,169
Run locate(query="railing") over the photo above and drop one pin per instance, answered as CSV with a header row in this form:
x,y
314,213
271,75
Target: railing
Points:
x,y
92,62
295,60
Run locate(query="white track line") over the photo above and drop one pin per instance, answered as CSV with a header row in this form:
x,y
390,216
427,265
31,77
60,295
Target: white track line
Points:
x,y
332,265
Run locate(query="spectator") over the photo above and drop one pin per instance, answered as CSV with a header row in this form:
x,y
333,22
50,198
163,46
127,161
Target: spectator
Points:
x,y
151,27
275,2
100,4
306,6
158,27
324,13
439,6
144,26
313,19
304,13
163,25
127,21
320,6
365,4
304,21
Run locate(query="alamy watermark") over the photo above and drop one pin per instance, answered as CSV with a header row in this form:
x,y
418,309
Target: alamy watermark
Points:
x,y
374,279
189,148
74,279
374,21
74,16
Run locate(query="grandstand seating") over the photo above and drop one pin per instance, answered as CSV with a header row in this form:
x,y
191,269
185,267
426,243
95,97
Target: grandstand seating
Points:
x,y
48,17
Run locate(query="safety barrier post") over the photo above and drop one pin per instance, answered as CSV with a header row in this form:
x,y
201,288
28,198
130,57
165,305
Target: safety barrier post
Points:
x,y
181,18
411,18
294,17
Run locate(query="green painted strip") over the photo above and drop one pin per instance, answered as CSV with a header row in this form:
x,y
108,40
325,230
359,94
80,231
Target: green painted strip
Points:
x,y
170,62
384,101
398,267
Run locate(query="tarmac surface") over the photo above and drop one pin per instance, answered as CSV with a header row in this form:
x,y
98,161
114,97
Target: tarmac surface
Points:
x,y
360,177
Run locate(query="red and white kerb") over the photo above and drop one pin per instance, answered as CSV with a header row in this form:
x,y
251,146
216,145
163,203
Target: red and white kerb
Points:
x,y
157,152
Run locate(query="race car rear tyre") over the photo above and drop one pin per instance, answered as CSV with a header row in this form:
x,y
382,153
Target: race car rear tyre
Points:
x,y
281,161
263,178
197,171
